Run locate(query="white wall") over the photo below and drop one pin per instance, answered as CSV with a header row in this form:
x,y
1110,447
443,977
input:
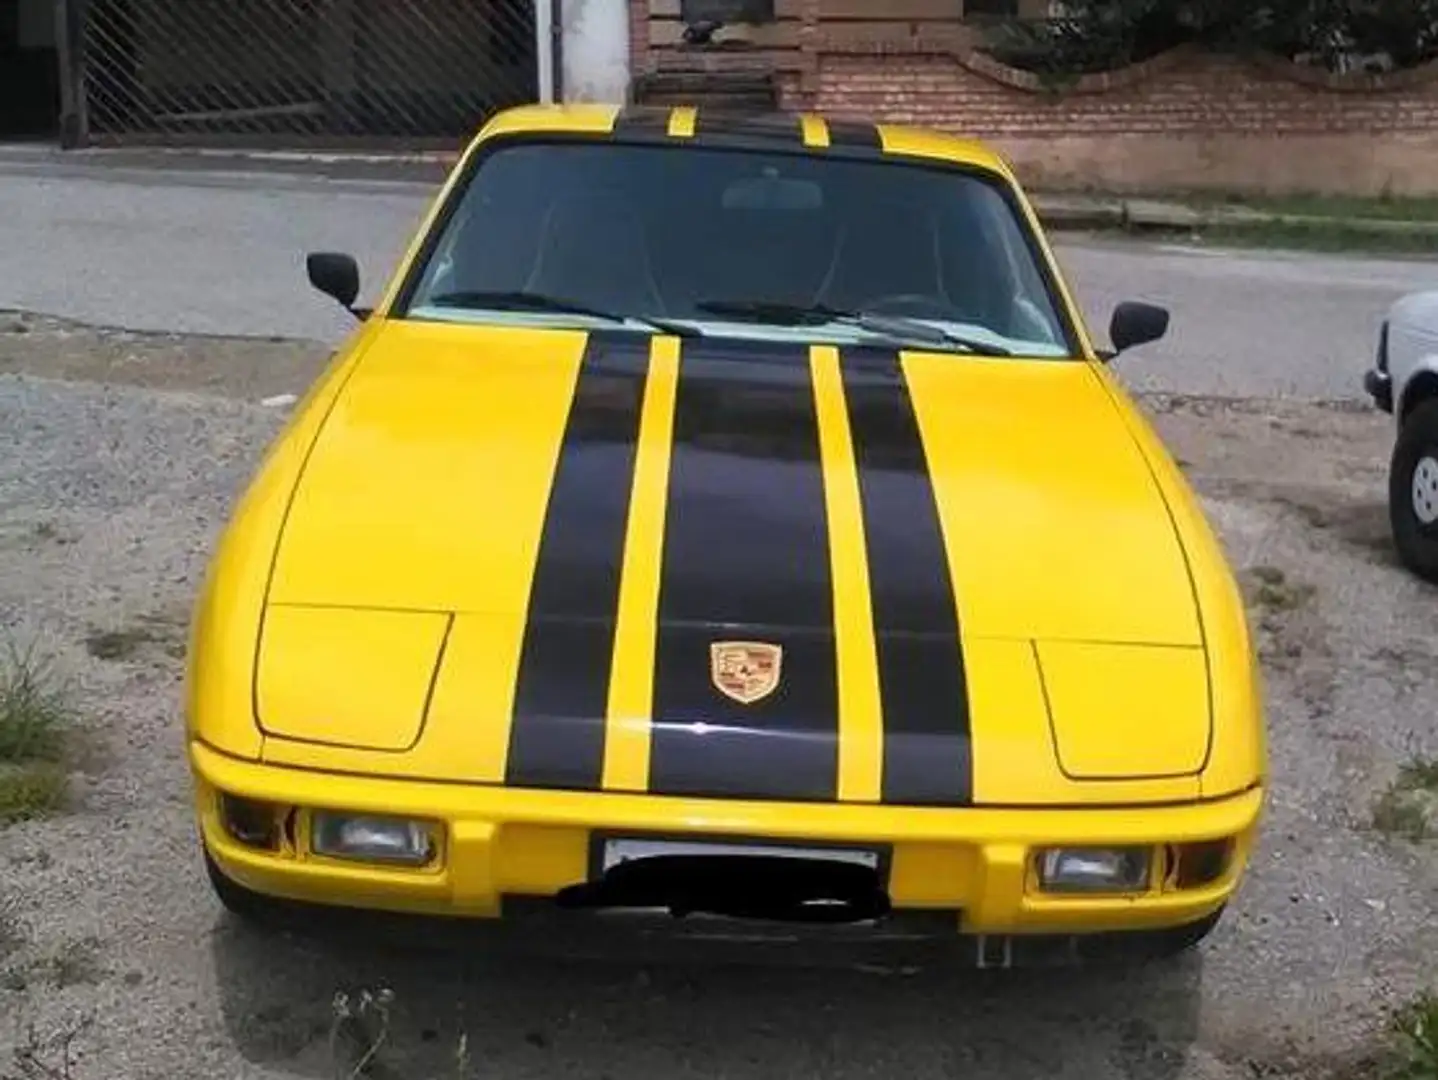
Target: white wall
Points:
x,y
595,50
37,24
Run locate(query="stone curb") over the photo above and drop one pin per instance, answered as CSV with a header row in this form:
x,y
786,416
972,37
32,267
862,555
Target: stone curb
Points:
x,y
1074,214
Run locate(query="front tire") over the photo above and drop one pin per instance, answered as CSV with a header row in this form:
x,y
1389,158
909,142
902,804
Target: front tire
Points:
x,y
1166,944
243,903
1413,491
1143,947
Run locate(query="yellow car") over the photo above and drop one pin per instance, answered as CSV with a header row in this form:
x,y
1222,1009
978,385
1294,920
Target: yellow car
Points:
x,y
728,516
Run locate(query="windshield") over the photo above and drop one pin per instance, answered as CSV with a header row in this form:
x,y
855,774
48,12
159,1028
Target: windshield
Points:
x,y
739,242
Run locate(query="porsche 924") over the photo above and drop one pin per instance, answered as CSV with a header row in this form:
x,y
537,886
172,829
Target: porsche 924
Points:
x,y
730,516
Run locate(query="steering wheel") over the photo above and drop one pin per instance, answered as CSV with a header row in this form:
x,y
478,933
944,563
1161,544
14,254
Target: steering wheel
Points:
x,y
916,305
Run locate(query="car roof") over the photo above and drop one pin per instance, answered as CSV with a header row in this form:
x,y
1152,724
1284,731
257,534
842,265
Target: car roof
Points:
x,y
680,125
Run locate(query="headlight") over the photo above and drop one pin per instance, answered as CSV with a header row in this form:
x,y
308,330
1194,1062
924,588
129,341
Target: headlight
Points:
x,y
1094,870
372,839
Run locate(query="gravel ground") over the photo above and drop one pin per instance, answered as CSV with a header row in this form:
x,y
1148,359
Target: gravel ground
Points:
x,y
122,453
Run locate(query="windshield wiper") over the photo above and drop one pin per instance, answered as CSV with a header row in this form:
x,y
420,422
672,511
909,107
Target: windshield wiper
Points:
x,y
519,300
818,314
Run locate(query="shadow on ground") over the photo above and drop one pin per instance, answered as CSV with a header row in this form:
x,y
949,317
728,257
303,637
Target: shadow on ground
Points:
x,y
661,1013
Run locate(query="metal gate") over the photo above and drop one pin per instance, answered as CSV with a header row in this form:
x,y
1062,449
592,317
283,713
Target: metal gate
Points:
x,y
221,70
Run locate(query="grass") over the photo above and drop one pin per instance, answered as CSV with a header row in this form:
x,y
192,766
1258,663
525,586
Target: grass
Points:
x,y
1380,208
31,790
1409,808
1416,1031
36,719
1336,223
1335,236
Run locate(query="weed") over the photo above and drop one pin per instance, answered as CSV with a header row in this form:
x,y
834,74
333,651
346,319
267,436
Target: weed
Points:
x,y
1273,590
35,719
365,1025
1420,774
360,1028
1396,814
1409,807
35,711
1268,575
51,1057
1416,1028
32,790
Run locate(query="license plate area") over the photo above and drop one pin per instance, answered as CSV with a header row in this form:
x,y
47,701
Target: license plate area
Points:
x,y
735,878
619,849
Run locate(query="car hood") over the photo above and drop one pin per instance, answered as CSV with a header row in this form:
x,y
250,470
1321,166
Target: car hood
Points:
x,y
825,559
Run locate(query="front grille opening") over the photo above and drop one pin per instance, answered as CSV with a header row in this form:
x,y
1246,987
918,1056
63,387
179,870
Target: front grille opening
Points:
x,y
759,887
1196,865
253,823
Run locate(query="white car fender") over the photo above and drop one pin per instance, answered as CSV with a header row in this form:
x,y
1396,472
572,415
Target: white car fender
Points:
x,y
1407,355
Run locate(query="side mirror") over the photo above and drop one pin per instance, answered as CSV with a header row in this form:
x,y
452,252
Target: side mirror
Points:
x,y
336,275
1135,324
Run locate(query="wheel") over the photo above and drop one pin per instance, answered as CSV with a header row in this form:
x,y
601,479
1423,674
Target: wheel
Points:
x,y
1413,491
1127,947
1163,944
239,901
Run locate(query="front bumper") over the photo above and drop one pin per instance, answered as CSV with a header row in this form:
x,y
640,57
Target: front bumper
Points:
x,y
971,868
1379,385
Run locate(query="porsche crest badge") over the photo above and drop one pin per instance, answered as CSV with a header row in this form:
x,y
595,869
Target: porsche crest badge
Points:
x,y
746,671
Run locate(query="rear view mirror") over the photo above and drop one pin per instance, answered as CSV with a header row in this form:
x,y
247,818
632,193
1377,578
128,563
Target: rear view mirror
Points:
x,y
1135,324
337,276
771,192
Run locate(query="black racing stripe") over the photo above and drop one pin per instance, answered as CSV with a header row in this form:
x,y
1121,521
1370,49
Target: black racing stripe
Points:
x,y
718,128
561,696
854,135
746,557
927,748
646,122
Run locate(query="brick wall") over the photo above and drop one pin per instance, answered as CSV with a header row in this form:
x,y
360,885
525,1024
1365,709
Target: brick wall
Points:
x,y
1184,120
1187,120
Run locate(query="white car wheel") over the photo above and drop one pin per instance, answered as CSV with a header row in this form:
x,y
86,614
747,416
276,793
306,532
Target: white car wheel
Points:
x,y
1425,490
1413,491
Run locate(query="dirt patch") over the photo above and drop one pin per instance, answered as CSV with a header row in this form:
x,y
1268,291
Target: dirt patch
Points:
x,y
253,369
148,636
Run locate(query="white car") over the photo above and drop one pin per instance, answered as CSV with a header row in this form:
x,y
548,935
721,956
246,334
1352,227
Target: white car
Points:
x,y
1404,383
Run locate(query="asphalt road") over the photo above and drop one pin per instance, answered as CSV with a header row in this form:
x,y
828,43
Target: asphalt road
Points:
x,y
223,253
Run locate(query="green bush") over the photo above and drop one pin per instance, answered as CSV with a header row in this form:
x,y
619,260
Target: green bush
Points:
x,y
1104,35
